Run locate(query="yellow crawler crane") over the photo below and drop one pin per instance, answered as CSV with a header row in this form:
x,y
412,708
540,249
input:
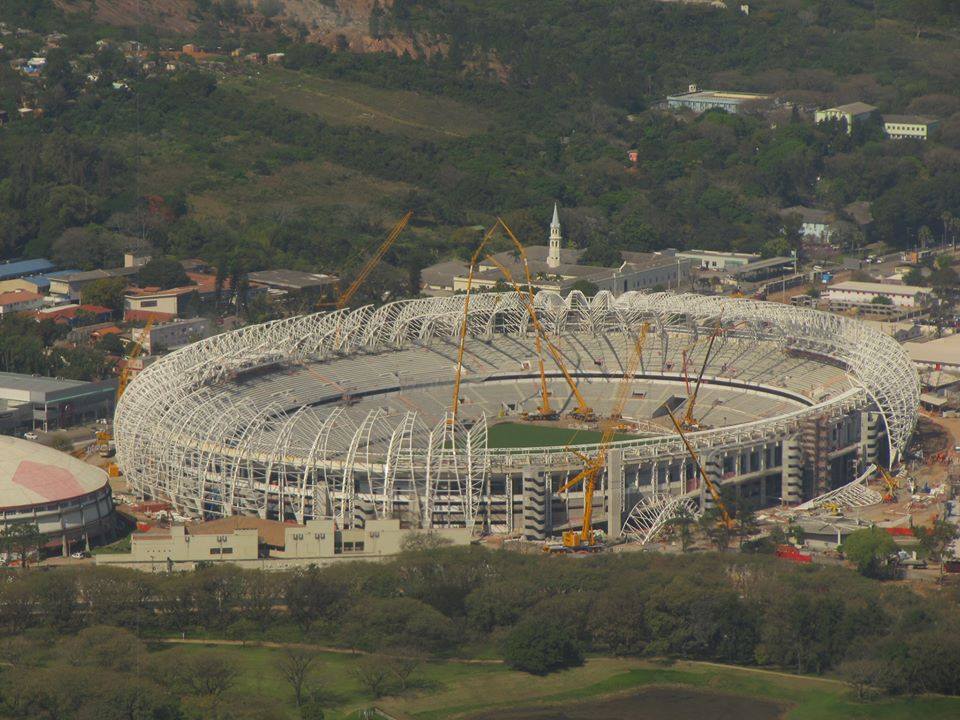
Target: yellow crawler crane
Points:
x,y
586,538
892,483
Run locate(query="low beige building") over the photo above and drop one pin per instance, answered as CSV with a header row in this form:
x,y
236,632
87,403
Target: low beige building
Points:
x,y
170,335
267,544
908,127
850,113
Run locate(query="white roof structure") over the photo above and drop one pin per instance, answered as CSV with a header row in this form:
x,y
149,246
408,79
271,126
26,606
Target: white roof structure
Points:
x,y
34,474
879,288
348,412
944,352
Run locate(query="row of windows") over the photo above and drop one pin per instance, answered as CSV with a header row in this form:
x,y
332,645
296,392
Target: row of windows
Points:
x,y
221,551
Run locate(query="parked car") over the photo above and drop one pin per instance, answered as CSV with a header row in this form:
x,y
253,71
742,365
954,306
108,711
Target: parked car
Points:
x,y
30,435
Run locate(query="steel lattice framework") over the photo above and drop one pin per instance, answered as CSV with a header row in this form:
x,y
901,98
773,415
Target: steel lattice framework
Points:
x,y
178,438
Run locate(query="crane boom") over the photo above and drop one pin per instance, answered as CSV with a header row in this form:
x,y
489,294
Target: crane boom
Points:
x,y
583,410
344,298
711,486
455,405
688,419
545,411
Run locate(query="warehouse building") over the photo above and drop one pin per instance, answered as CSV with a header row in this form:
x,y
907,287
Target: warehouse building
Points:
x,y
853,293
702,100
24,268
29,402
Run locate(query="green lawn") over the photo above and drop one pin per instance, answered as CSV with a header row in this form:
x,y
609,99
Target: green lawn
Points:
x,y
340,102
447,689
520,435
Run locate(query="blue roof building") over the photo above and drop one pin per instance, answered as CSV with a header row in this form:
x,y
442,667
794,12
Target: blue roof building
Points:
x,y
23,268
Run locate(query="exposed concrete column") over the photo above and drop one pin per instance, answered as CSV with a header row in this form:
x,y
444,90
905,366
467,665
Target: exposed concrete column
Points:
x,y
713,468
509,489
615,490
534,505
791,488
869,437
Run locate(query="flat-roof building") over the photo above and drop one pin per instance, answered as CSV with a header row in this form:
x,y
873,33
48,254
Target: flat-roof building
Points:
x,y
24,268
763,269
292,280
940,354
702,100
38,402
909,127
861,293
850,113
70,285
718,260
268,544
171,335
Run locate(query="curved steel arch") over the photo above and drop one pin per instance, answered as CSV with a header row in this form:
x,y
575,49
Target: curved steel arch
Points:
x,y
176,436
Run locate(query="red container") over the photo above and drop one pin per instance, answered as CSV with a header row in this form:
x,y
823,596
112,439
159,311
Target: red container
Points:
x,y
900,531
788,552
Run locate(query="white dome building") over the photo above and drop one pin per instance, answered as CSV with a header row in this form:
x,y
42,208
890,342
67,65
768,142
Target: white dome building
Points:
x,y
69,500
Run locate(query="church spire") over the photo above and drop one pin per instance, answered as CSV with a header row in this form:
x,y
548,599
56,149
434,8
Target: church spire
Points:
x,y
553,255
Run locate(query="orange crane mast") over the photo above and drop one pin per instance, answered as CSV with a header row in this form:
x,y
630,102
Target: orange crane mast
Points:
x,y
545,410
104,436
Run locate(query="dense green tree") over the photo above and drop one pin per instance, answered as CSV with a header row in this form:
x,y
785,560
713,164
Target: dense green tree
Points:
x,y
539,646
870,550
107,292
20,540
162,272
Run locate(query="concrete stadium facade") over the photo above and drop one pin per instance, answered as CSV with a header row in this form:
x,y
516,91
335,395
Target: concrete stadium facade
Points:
x,y
346,414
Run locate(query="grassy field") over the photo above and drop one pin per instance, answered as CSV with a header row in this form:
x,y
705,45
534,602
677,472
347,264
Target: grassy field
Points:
x,y
447,690
520,435
339,102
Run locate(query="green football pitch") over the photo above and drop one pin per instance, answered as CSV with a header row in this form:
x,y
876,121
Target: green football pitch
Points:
x,y
520,435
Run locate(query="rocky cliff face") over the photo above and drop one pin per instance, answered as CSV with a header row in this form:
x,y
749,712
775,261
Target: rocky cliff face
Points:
x,y
331,22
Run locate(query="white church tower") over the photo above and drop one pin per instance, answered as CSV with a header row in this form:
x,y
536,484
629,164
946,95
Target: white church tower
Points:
x,y
553,256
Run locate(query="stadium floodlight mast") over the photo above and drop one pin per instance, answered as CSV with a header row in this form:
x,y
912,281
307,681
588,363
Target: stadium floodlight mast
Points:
x,y
190,429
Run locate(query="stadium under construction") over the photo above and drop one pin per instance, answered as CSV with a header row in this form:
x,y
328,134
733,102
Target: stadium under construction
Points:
x,y
431,411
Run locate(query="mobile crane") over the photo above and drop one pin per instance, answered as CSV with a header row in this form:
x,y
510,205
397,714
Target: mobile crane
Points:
x,y
586,538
